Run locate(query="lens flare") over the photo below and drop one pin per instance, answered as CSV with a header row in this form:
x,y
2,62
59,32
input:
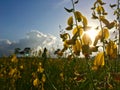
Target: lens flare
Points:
x,y
92,33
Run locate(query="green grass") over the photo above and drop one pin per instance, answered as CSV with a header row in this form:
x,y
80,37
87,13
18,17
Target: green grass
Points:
x,y
61,74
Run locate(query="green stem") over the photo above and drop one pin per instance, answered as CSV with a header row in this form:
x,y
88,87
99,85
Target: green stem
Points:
x,y
76,23
50,81
118,16
102,34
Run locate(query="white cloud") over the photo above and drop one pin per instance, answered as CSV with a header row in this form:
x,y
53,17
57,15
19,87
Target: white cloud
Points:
x,y
33,39
5,42
37,40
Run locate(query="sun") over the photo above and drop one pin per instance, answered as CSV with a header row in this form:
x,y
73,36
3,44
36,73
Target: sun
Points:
x,y
92,33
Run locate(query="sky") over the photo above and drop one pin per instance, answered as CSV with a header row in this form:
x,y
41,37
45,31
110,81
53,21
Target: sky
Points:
x,y
18,18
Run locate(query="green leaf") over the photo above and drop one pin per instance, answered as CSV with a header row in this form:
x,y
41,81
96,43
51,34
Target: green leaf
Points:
x,y
94,16
93,8
111,25
113,5
68,10
115,12
76,2
105,13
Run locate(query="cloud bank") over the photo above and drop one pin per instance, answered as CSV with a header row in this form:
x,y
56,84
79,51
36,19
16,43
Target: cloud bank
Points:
x,y
33,39
36,40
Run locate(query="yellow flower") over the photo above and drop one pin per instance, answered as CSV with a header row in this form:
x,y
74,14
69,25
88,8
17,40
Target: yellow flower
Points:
x,y
70,21
21,66
94,68
104,33
86,40
12,71
62,76
40,69
110,86
43,78
1,75
65,44
77,47
36,82
40,63
78,29
99,61
111,49
14,59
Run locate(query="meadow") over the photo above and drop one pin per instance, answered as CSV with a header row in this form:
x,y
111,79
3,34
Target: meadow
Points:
x,y
101,72
29,73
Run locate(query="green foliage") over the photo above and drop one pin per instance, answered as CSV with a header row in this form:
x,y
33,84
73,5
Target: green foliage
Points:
x,y
101,72
68,10
60,74
77,24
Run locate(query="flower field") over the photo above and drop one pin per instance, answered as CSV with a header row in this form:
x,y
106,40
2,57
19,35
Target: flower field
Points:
x,y
28,73
69,71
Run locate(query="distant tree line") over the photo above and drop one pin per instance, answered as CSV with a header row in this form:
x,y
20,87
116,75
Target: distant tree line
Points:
x,y
26,51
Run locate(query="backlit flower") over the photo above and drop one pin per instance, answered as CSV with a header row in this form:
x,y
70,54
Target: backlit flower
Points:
x,y
99,61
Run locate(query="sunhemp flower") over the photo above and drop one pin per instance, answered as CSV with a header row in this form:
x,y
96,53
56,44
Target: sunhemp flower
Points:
x,y
36,82
99,61
21,66
12,72
14,59
43,78
111,49
40,69
62,76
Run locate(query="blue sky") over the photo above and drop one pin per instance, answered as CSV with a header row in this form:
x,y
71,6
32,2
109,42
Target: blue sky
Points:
x,y
18,17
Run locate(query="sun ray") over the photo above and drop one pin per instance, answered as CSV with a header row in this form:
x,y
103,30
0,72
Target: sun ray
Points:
x,y
92,33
